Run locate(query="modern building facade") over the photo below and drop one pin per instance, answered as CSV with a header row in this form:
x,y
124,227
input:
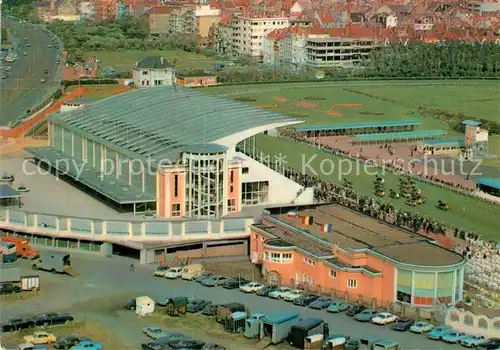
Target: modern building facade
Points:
x,y
169,150
332,248
153,71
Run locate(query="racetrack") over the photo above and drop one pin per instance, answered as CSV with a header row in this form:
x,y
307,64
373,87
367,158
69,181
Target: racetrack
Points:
x,y
23,90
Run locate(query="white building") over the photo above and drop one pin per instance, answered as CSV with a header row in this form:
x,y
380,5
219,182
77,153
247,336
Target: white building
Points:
x,y
248,33
153,71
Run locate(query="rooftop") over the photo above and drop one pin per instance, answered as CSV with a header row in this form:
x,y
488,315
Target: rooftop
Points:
x,y
154,62
455,142
471,122
7,192
489,181
356,231
405,135
357,125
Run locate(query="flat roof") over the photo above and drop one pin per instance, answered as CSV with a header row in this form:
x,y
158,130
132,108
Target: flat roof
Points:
x,y
471,122
111,187
455,142
354,230
405,135
489,181
357,125
7,192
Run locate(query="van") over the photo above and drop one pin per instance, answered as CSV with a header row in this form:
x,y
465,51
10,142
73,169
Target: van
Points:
x,y
192,272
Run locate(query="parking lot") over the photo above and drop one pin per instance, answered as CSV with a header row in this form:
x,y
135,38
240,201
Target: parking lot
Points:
x,y
97,297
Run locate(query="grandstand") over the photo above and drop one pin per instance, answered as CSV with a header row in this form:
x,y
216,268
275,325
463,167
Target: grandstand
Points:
x,y
357,128
443,146
489,185
406,136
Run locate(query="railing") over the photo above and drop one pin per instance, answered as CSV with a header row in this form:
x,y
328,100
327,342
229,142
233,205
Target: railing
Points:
x,y
132,230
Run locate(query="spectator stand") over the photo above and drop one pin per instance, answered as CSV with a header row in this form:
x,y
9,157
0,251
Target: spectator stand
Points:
x,y
402,137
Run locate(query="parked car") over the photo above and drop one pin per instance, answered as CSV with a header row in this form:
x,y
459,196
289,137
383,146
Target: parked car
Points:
x,y
355,309
160,271
66,342
366,315
264,292
305,299
131,305
162,343
9,288
16,324
279,292
40,338
45,71
252,287
491,344
234,283
403,324
292,295
154,332
197,305
472,341
421,327
204,276
438,332
188,344
454,337
212,346
52,319
214,281
210,310
383,318
42,81
29,346
87,345
173,273
321,303
338,306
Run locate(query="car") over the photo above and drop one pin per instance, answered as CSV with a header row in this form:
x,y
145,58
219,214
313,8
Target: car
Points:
x,y
25,54
212,346
161,343
453,337
51,319
214,281
42,81
173,272
50,46
9,288
355,309
204,276
403,324
5,75
16,324
30,346
337,306
305,299
131,305
472,341
154,332
321,303
87,345
160,271
197,305
233,283
279,292
491,344
188,344
264,292
384,318
40,338
438,332
209,310
251,287
421,327
292,295
366,315
66,342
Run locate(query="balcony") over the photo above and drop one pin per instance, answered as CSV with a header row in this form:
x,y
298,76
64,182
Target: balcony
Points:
x,y
278,244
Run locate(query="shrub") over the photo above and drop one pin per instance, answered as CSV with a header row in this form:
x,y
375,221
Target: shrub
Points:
x,y
370,113
245,98
315,98
298,114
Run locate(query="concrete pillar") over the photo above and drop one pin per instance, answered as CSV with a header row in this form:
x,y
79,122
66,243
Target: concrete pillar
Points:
x,y
412,287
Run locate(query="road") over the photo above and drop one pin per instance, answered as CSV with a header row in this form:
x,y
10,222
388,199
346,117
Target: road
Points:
x,y
106,283
23,89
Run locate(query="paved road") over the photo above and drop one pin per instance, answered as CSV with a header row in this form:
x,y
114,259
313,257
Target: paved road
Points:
x,y
23,89
109,279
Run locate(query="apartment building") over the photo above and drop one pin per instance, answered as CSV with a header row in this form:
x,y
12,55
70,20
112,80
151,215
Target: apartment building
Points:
x,y
249,32
222,34
158,18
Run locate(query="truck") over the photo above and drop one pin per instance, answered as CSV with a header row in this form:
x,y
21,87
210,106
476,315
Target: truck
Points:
x,y
55,262
23,247
8,252
11,274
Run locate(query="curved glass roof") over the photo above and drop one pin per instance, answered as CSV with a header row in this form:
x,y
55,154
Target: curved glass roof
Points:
x,y
160,121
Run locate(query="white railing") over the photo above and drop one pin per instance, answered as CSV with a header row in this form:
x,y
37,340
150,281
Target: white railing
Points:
x,y
131,230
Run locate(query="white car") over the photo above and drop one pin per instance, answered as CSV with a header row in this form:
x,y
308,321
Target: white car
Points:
x,y
174,272
160,271
251,287
421,327
278,293
472,341
292,295
384,318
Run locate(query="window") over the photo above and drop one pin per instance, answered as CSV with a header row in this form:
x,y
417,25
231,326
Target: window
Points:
x,y
404,297
176,209
231,179
275,257
352,283
266,255
231,189
333,274
231,205
309,261
176,185
308,280
144,72
286,257
254,192
245,170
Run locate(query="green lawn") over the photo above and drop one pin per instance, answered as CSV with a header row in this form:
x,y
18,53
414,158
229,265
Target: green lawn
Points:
x,y
124,60
466,212
476,101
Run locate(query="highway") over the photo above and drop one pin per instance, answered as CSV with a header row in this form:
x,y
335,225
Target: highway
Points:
x,y
23,89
